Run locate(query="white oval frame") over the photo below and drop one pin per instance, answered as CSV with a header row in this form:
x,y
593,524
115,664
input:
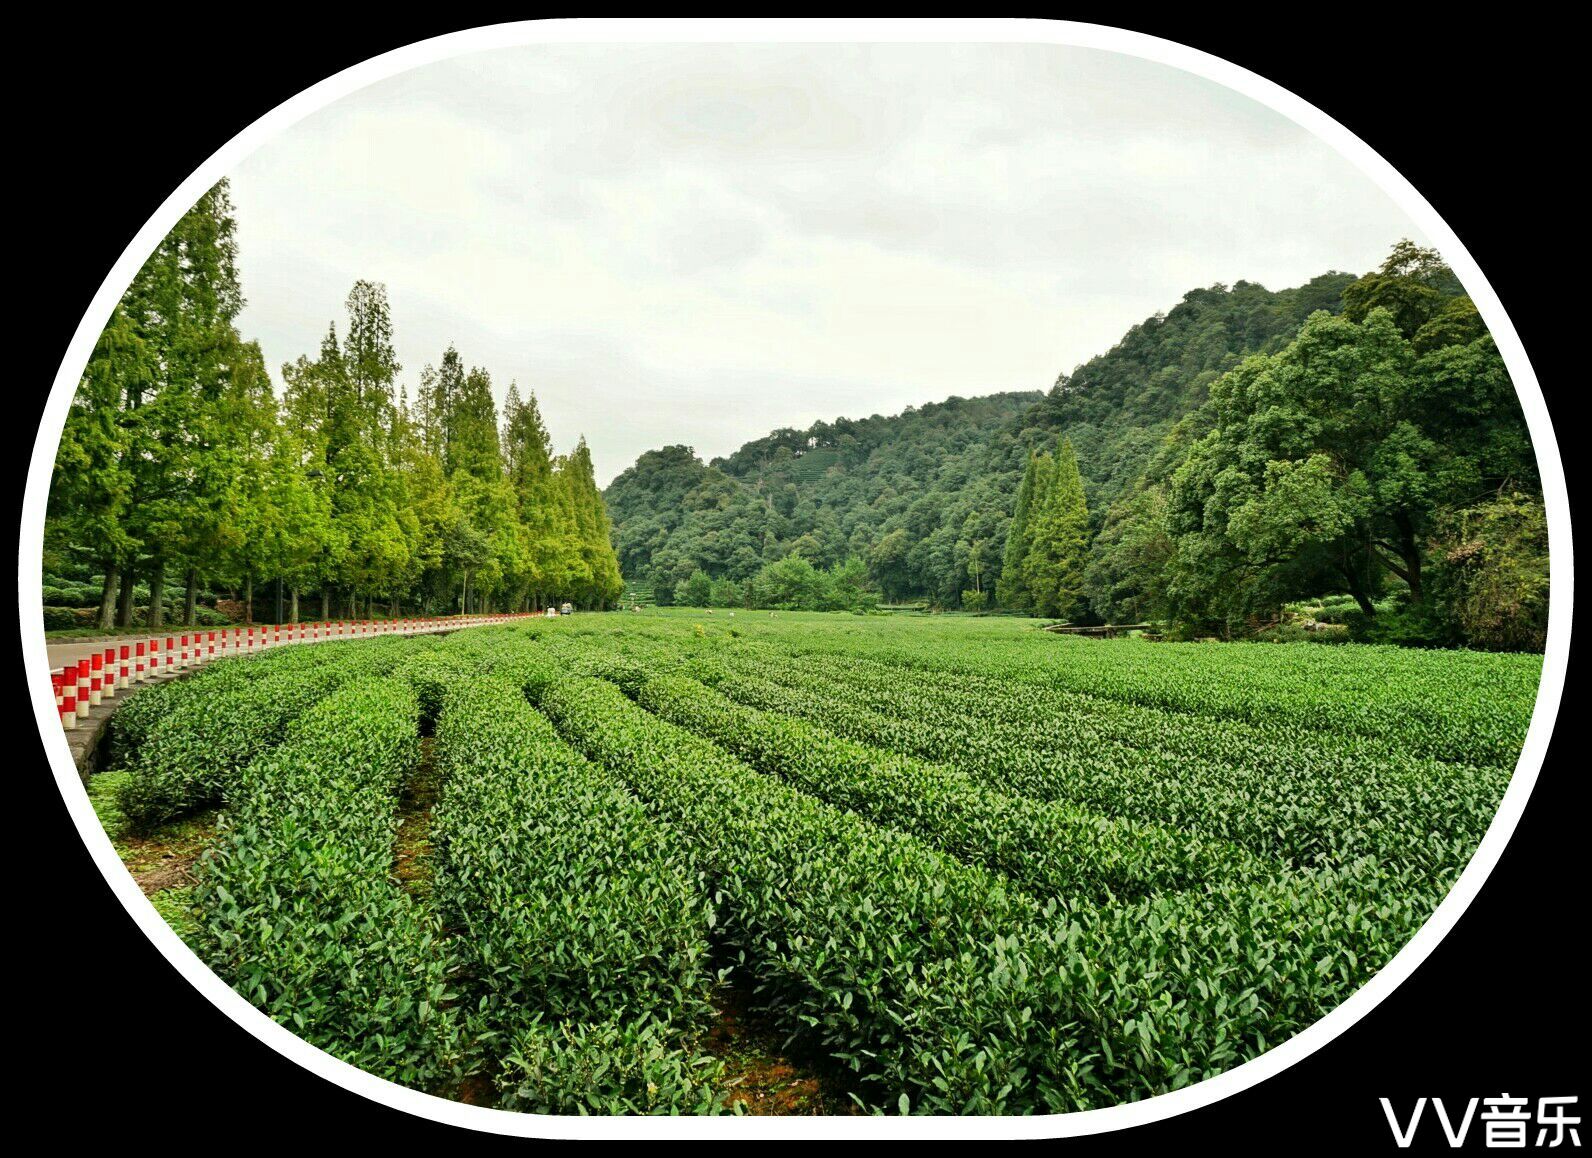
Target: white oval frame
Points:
x,y
30,564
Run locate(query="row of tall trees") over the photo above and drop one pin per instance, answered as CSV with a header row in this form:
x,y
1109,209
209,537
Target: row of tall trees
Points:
x,y
179,457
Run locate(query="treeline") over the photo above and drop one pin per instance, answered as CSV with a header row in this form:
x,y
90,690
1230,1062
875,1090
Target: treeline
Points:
x,y
790,584
178,457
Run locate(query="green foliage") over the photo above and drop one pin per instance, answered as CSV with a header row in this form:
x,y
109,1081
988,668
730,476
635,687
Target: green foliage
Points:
x,y
696,591
976,867
301,915
571,908
1050,851
1057,532
1347,839
1244,450
178,459
610,1067
931,480
190,749
1495,562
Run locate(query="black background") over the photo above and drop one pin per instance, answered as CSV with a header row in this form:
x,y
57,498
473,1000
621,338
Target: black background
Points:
x,y
1477,117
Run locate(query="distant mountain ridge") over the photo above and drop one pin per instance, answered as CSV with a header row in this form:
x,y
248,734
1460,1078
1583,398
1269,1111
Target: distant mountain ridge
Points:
x,y
925,496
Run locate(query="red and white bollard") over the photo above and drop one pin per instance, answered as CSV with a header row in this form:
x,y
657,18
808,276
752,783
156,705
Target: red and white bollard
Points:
x,y
126,676
108,675
83,676
66,698
138,662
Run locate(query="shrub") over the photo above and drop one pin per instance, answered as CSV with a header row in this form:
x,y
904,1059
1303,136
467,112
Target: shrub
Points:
x,y
301,915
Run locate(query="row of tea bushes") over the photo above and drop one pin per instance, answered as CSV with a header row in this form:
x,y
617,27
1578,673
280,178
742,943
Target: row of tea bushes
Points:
x,y
1470,707
581,922
1303,813
1047,849
144,710
189,758
943,991
865,944
301,914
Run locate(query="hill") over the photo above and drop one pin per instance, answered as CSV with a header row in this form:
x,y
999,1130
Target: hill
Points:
x,y
833,491
925,497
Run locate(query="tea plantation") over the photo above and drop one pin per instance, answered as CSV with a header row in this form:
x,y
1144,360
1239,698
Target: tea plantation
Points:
x,y
947,864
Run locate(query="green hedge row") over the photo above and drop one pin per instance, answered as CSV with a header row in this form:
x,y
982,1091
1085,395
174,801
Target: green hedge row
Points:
x,y
146,706
866,944
582,924
944,992
1047,849
1301,805
300,911
189,758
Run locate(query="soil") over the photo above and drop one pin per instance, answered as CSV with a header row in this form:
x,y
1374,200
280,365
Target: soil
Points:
x,y
760,1077
164,858
412,843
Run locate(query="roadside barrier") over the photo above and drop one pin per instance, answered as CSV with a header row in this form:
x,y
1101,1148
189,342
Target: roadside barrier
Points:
x,y
90,681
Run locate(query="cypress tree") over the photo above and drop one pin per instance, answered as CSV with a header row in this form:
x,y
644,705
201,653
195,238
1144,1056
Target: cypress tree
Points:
x,y
1059,536
1011,590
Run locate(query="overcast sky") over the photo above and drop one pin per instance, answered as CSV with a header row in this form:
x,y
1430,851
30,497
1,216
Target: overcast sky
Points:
x,y
698,244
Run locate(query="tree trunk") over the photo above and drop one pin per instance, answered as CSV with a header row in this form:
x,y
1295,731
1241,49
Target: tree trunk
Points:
x,y
107,607
326,604
1411,552
156,618
248,600
295,606
1357,589
124,604
191,597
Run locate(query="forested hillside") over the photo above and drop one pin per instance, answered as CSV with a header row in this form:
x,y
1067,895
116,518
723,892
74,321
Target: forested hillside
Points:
x,y
924,499
181,466
915,501
1353,436
1379,454
1117,408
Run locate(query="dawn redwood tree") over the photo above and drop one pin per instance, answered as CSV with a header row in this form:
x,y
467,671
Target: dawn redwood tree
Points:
x,y
1012,588
1058,536
94,474
599,583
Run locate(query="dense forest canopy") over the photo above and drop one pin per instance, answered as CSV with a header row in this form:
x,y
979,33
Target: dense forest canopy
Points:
x,y
1352,436
915,498
179,459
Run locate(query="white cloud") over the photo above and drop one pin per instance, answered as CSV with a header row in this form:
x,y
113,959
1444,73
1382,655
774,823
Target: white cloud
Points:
x,y
699,243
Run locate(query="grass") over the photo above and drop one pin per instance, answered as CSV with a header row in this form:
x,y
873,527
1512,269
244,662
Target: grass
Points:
x,y
160,861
